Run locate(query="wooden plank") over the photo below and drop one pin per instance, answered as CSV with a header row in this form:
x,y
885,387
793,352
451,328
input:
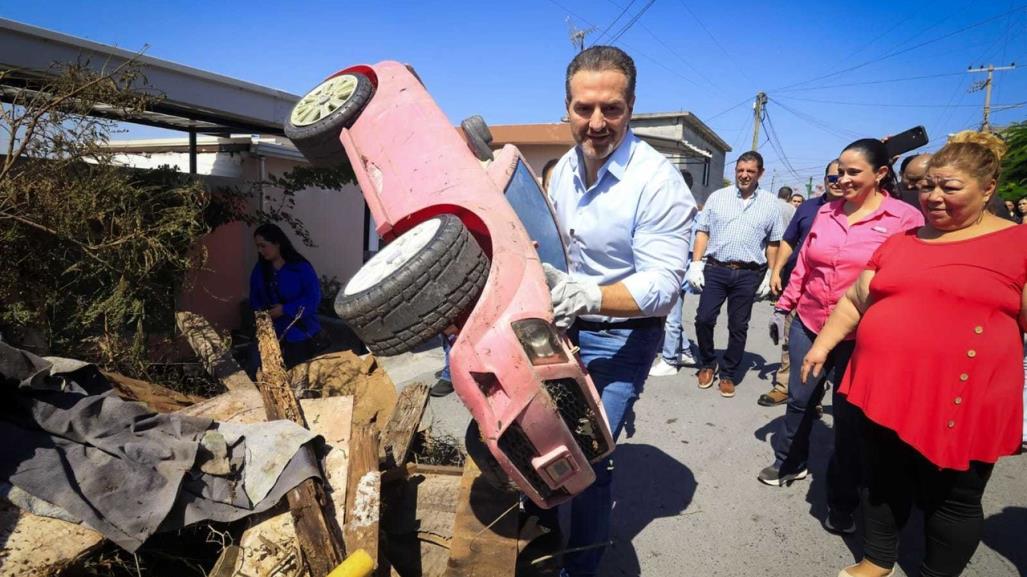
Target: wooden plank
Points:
x,y
399,432
212,351
363,495
485,529
239,406
317,531
157,397
33,546
269,546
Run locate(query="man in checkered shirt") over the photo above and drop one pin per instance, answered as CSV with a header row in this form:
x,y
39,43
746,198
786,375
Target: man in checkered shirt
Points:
x,y
738,233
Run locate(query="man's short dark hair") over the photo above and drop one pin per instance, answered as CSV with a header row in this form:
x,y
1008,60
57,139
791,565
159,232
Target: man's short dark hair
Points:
x,y
688,178
749,157
599,58
785,193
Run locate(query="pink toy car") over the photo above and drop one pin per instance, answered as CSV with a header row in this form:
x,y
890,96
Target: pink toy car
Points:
x,y
468,233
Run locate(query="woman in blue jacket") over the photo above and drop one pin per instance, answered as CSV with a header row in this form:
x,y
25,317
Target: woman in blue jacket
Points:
x,y
284,284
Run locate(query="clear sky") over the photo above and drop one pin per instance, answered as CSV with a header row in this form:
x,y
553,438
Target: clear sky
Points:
x,y
833,71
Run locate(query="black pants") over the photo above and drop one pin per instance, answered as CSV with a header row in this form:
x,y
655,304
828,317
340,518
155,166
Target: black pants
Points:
x,y
738,288
292,355
898,476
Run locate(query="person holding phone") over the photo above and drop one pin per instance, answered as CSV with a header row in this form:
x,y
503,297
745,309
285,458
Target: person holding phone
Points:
x,y
844,235
938,315
284,284
781,270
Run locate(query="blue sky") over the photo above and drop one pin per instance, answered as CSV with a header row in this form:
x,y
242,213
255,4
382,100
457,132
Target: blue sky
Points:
x,y
834,71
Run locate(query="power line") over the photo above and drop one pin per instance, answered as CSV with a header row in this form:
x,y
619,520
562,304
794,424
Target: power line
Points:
x,y
722,113
873,82
619,16
715,41
839,133
631,22
894,53
882,104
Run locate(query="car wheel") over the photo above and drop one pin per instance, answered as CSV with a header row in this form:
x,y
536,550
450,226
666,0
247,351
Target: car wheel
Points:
x,y
415,287
479,452
479,137
317,119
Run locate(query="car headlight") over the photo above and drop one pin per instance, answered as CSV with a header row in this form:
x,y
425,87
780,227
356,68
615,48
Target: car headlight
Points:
x,y
540,340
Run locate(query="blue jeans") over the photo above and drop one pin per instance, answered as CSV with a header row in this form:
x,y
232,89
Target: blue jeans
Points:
x,y
446,347
674,338
618,361
791,443
738,288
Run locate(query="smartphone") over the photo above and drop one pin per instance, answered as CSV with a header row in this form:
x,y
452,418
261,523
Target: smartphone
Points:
x,y
903,142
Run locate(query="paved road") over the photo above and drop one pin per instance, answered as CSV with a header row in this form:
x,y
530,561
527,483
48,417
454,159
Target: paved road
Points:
x,y
688,502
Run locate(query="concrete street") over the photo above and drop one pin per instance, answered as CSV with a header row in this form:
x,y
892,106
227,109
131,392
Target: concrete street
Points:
x,y
688,502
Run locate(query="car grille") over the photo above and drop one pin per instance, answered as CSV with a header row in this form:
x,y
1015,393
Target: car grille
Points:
x,y
516,446
582,421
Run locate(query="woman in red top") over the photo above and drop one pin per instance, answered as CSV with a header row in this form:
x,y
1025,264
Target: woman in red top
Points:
x,y
940,313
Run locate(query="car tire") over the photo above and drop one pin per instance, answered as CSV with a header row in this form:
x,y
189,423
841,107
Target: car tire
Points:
x,y
415,287
479,137
479,452
314,123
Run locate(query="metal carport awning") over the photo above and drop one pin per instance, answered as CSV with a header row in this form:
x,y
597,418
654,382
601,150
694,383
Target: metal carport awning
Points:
x,y
192,100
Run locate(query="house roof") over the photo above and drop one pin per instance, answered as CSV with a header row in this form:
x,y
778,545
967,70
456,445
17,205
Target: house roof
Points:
x,y
693,121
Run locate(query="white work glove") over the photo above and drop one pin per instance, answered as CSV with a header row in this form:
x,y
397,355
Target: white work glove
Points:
x,y
764,289
777,326
571,296
694,276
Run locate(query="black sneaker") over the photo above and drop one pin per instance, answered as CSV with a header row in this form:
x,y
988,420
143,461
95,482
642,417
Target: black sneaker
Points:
x,y
840,523
771,476
442,388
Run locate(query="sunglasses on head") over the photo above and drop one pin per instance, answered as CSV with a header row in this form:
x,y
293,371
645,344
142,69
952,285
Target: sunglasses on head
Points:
x,y
831,178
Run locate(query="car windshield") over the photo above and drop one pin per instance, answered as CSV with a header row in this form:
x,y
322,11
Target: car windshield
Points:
x,y
530,204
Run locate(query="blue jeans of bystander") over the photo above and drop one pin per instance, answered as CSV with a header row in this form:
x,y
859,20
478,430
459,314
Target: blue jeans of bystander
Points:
x,y
791,443
738,288
674,338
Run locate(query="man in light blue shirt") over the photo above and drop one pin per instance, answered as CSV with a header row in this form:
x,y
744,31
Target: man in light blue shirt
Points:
x,y
625,214
738,232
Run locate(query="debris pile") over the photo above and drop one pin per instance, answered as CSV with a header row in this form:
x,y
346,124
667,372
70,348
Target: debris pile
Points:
x,y
302,473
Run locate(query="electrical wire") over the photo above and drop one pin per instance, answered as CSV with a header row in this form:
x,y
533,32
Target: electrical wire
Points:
x,y
839,133
898,52
873,82
610,26
631,22
878,104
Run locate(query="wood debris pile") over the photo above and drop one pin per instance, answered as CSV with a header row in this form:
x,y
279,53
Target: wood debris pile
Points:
x,y
411,520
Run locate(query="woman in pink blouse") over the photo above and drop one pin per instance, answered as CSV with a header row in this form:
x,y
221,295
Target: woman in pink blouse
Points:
x,y
844,235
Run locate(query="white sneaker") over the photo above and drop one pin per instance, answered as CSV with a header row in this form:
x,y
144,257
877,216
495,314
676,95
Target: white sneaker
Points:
x,y
687,360
662,369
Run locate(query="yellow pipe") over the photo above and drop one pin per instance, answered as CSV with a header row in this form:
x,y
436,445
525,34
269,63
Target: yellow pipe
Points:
x,y
358,564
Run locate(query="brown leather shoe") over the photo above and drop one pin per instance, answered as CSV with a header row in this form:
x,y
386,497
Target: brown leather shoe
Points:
x,y
727,388
705,378
773,398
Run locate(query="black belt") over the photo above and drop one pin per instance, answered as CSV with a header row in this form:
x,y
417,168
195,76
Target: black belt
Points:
x,y
735,264
636,323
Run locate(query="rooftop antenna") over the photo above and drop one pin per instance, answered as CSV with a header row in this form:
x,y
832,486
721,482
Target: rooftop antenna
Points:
x,y
577,35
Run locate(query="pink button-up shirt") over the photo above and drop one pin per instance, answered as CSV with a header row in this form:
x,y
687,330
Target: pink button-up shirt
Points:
x,y
834,254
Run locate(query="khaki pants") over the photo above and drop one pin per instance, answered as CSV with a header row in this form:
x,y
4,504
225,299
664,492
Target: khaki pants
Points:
x,y
781,376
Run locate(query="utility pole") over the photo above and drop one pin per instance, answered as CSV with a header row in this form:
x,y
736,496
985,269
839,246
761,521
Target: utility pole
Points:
x,y
809,188
773,178
986,85
757,118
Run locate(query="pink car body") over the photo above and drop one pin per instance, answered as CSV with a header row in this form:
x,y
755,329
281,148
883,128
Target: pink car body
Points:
x,y
542,421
